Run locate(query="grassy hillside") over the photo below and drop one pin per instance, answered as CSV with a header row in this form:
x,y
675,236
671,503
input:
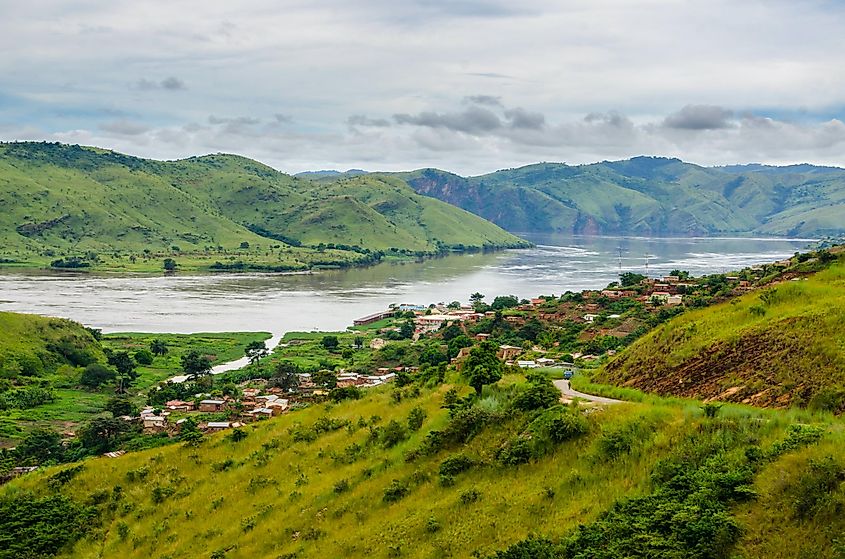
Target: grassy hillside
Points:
x,y
113,211
351,480
781,347
648,196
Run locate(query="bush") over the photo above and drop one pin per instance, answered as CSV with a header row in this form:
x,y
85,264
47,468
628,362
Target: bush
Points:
x,y
456,464
515,452
395,491
33,528
345,393
470,496
416,419
341,486
392,434
816,487
567,426
95,375
144,357
540,394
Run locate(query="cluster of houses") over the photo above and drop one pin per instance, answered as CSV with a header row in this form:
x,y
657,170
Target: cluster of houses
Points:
x,y
252,406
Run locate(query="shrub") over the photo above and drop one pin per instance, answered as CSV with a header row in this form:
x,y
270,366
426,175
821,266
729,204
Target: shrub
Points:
x,y
395,491
540,394
516,451
341,486
33,527
416,418
95,375
345,393
144,357
456,464
711,410
432,525
392,434
470,496
816,487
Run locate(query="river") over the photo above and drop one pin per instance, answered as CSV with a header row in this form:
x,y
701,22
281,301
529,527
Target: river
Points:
x,y
330,300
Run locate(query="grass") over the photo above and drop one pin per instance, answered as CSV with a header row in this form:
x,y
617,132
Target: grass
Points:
x,y
780,347
272,493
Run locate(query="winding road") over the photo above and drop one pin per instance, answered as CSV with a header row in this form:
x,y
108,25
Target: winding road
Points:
x,y
570,394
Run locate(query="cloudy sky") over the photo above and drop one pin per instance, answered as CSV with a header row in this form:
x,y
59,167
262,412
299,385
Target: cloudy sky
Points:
x,y
465,85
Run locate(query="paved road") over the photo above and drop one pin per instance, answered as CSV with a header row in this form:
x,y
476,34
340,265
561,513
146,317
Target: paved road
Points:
x,y
569,394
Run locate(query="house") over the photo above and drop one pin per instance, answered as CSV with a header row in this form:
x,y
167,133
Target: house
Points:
x,y
179,405
212,405
215,426
611,293
251,392
375,317
377,343
674,300
660,296
482,336
545,362
527,364
154,423
783,263
671,279
590,317
508,352
538,301
258,413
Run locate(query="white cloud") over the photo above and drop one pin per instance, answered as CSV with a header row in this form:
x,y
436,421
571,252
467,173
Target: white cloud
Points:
x,y
479,84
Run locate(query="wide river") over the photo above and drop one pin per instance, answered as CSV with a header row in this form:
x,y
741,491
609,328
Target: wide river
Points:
x,y
330,300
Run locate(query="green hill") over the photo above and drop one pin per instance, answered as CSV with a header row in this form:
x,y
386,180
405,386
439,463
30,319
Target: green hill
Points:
x,y
781,347
486,480
116,211
649,196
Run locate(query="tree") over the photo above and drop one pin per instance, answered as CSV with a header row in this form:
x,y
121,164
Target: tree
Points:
x,y
504,302
482,366
627,279
454,305
476,300
169,265
196,364
103,434
120,405
359,342
144,357
324,379
41,446
286,376
331,343
406,330
255,350
158,347
125,366
540,394
96,375
457,343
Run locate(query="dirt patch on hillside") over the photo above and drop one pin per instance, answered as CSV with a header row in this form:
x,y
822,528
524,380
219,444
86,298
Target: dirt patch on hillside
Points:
x,y
771,368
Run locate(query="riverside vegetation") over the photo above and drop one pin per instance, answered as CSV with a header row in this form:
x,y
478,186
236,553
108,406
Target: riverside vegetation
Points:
x,y
427,467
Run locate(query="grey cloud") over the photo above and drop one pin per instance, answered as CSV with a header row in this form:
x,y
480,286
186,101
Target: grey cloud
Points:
x,y
240,120
283,118
489,100
473,120
171,83
363,120
520,118
612,118
700,117
123,127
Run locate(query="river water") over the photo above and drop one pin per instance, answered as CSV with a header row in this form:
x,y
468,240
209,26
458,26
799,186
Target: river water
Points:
x,y
330,300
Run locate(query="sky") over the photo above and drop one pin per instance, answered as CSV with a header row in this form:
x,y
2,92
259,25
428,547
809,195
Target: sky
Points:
x,y
469,86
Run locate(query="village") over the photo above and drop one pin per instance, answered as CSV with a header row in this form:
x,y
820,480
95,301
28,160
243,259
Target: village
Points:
x,y
589,310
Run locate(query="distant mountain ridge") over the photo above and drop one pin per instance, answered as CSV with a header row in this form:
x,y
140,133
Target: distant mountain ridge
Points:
x,y
648,196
